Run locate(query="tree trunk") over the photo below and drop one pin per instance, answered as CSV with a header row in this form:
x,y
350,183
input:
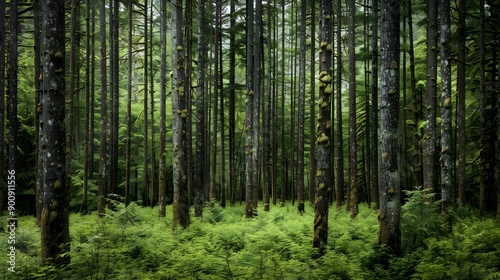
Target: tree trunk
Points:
x,y
249,126
86,131
162,179
446,145
145,124
55,211
375,115
180,115
213,165
114,95
462,137
232,105
284,174
38,112
312,106
199,196
323,183
430,182
268,120
103,174
257,89
416,107
390,195
71,92
353,154
301,109
340,137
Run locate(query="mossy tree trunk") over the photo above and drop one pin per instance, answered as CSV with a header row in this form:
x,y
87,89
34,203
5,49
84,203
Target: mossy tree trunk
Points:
x,y
55,211
340,137
199,193
323,163
301,109
416,105
461,131
249,184
86,131
446,144
312,108
180,115
162,180
215,104
232,105
353,150
390,194
430,181
103,172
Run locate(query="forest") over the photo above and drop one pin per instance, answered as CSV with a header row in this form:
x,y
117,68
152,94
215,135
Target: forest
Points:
x,y
329,139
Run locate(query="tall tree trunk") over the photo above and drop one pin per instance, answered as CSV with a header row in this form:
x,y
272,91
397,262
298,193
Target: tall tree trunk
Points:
x,y
340,139
222,128
268,119
55,212
71,92
323,183
462,137
284,174
301,109
38,112
390,194
162,178
114,95
249,125
180,113
257,89
103,174
153,192
145,124
312,108
232,104
446,146
199,196
375,111
430,182
189,73
213,165
416,107
353,153
86,133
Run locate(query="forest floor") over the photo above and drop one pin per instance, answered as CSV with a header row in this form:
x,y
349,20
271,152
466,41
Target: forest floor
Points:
x,y
134,243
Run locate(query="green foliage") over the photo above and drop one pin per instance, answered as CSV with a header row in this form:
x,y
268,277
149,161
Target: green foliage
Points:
x,y
134,243
419,219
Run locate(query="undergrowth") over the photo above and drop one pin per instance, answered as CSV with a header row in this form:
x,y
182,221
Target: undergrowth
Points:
x,y
134,243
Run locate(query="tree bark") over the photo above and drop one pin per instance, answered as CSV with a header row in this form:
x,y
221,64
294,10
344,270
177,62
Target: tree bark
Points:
x,y
430,182
446,144
301,109
199,196
312,106
390,194
180,115
353,154
249,126
340,137
162,178
103,173
323,171
375,111
462,137
55,211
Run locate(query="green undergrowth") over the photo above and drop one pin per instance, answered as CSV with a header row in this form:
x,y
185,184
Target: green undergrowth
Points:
x,y
134,243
